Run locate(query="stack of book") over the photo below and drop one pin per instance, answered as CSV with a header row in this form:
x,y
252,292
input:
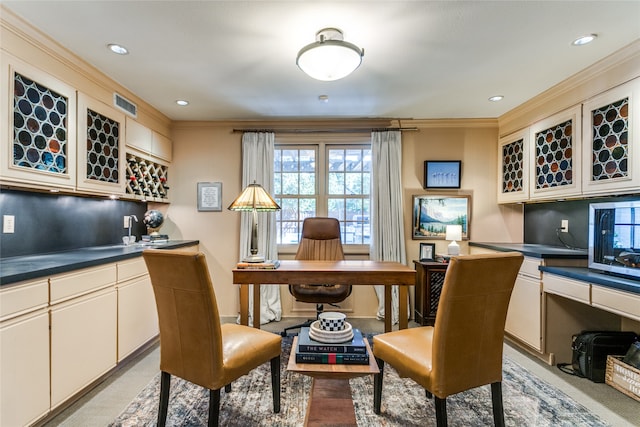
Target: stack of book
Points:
x,y
353,352
265,265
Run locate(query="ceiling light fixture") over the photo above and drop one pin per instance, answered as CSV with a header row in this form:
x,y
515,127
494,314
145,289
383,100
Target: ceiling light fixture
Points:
x,y
116,48
580,41
323,98
496,98
182,102
329,57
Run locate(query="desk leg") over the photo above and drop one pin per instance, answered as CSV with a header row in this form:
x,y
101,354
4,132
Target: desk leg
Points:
x,y
244,305
402,309
330,404
256,305
388,314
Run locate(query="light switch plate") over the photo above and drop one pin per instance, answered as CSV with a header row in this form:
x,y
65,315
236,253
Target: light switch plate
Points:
x,y
8,223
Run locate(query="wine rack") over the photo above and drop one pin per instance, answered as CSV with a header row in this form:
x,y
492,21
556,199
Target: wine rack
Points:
x,y
146,179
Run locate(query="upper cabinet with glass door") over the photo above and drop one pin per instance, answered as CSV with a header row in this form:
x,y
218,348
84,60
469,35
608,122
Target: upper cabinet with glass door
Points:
x,y
101,156
513,167
610,154
38,146
555,156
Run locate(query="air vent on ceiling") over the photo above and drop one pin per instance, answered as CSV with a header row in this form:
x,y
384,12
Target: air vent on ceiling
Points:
x,y
125,105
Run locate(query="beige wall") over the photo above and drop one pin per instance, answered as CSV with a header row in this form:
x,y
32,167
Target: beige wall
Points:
x,y
212,152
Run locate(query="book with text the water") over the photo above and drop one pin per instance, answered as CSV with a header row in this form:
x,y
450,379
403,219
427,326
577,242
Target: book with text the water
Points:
x,y
307,345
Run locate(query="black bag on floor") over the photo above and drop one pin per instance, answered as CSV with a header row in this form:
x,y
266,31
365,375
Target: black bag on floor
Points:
x,y
590,350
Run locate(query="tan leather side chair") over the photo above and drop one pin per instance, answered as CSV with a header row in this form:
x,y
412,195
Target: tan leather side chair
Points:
x,y
463,350
320,241
193,344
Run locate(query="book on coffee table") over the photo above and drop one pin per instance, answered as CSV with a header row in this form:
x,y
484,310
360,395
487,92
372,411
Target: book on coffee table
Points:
x,y
307,345
333,358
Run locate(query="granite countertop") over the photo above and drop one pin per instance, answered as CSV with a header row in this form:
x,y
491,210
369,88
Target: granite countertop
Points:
x,y
17,269
535,250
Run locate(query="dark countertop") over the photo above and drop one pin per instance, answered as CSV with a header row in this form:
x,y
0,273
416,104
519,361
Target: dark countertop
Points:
x,y
535,250
595,278
17,269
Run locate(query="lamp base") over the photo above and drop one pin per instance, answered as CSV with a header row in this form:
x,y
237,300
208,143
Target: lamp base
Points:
x,y
254,258
453,248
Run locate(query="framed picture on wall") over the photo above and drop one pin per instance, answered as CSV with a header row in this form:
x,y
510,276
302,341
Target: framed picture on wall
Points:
x,y
432,213
209,196
427,251
442,173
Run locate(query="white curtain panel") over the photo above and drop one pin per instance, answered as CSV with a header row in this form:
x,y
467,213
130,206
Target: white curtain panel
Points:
x,y
257,165
387,234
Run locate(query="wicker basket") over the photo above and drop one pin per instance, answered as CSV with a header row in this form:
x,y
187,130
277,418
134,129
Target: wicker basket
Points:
x,y
623,377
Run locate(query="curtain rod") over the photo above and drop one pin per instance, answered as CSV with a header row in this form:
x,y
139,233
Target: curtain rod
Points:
x,y
346,130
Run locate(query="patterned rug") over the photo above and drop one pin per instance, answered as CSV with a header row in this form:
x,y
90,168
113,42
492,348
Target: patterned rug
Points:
x,y
528,401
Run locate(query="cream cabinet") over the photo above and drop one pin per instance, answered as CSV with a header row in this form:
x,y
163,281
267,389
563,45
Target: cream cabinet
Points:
x,y
524,316
141,138
616,301
567,288
24,353
555,156
101,149
513,167
83,329
137,315
611,160
38,145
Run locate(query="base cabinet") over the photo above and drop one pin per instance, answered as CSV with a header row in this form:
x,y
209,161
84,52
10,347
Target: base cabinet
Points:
x,y
137,315
524,313
24,363
83,342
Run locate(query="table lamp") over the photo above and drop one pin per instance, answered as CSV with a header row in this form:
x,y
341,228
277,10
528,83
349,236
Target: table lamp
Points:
x,y
453,233
254,198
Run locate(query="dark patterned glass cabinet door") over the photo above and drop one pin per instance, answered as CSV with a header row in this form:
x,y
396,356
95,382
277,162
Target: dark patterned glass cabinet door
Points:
x,y
513,167
611,157
556,155
39,144
101,157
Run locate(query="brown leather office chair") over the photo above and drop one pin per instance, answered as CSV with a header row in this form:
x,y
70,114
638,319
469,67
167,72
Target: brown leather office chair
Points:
x,y
463,350
320,241
193,344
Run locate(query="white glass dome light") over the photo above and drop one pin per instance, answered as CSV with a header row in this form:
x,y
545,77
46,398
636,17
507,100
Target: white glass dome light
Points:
x,y
329,57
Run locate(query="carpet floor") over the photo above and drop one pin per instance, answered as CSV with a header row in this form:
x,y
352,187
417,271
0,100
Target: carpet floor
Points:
x,y
528,401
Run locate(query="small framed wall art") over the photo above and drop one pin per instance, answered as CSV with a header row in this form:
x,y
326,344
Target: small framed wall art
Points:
x,y
427,251
209,196
442,173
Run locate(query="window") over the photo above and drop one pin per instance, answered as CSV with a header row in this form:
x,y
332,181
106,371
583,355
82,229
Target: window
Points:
x,y
323,179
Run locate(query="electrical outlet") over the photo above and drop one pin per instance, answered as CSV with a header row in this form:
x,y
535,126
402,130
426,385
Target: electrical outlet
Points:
x,y
564,226
126,221
8,223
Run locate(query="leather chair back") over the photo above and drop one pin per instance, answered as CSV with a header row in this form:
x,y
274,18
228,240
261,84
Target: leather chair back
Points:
x,y
190,334
469,328
320,241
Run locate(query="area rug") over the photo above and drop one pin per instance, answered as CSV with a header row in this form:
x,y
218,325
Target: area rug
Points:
x,y
528,401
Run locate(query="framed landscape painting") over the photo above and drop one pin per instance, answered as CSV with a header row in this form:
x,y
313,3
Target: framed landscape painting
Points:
x,y
432,213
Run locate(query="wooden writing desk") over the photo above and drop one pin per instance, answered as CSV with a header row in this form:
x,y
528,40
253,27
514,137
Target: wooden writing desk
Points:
x,y
355,273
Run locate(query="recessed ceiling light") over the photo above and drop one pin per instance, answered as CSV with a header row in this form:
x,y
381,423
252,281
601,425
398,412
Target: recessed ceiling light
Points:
x,y
116,48
496,98
584,40
182,102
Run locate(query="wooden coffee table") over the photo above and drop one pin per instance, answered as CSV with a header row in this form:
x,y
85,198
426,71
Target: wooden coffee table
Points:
x,y
330,401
